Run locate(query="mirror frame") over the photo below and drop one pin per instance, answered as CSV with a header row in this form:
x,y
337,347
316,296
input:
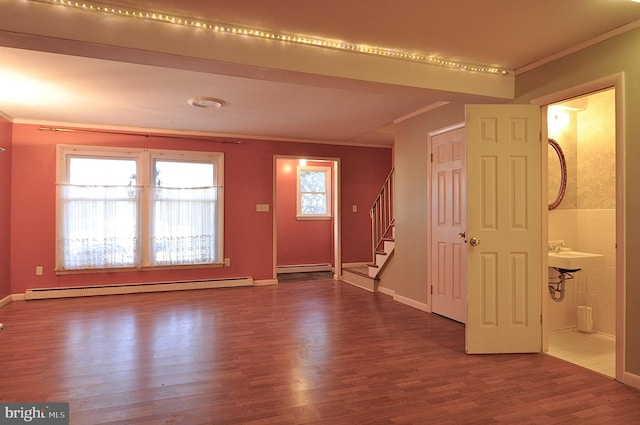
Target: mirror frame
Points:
x,y
563,175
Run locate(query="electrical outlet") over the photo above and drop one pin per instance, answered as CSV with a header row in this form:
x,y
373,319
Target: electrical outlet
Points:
x,y
227,262
354,208
39,271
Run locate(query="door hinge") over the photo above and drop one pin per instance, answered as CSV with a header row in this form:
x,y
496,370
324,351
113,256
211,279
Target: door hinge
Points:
x,y
431,157
431,290
541,319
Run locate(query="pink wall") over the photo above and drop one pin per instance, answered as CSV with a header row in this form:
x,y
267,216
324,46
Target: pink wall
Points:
x,y
299,241
248,181
5,196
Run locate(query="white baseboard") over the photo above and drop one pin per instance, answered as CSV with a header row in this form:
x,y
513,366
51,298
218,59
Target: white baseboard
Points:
x,y
404,300
411,303
304,268
134,288
631,380
6,300
265,282
386,291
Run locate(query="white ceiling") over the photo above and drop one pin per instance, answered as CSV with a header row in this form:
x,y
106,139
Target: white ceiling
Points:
x,y
64,66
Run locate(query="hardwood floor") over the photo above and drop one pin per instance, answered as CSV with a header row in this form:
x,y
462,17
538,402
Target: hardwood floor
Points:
x,y
320,352
304,276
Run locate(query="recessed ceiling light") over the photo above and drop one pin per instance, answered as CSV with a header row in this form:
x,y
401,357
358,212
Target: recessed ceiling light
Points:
x,y
205,102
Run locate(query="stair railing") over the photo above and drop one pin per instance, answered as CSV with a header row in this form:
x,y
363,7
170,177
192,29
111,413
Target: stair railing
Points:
x,y
383,213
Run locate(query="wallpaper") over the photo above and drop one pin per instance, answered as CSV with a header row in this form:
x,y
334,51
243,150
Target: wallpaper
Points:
x,y
597,154
587,138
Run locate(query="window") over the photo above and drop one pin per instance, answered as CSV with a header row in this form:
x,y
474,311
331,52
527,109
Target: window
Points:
x,y
314,192
183,205
138,208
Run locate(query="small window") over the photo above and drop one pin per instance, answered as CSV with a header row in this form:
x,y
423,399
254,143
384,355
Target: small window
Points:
x,y
314,192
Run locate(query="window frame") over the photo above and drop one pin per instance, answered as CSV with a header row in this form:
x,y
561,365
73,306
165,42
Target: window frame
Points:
x,y
327,170
145,160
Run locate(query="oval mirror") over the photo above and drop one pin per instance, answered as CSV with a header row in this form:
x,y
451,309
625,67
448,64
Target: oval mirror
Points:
x,y
557,175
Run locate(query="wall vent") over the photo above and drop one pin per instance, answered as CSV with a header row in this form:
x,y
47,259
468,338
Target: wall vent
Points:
x,y
133,288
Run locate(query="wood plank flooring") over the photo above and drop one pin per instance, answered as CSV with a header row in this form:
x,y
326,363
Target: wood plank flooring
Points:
x,y
304,276
320,352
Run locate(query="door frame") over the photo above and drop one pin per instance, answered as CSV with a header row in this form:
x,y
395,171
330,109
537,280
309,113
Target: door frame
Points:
x,y
615,81
430,136
335,206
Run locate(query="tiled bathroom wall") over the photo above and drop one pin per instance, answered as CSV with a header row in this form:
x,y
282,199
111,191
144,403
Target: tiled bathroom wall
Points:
x,y
597,234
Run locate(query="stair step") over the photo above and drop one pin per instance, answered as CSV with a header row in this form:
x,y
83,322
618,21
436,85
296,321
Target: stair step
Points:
x,y
359,276
362,270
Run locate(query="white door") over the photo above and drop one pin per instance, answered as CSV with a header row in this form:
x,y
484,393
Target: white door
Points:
x,y
504,229
448,224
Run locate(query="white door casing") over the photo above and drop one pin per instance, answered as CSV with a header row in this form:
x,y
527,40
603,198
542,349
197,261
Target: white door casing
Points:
x,y
504,215
448,224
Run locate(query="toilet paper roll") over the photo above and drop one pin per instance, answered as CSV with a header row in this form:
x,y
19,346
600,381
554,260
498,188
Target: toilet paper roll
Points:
x,y
585,319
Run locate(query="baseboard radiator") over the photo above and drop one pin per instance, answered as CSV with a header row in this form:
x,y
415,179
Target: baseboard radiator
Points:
x,y
303,268
133,288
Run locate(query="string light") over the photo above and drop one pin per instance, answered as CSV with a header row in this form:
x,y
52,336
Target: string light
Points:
x,y
285,38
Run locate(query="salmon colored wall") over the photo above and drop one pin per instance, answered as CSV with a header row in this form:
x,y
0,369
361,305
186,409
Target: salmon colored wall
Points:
x,y
248,181
299,241
5,196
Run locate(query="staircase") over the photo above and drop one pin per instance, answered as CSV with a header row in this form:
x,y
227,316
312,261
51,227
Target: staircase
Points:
x,y
382,237
382,254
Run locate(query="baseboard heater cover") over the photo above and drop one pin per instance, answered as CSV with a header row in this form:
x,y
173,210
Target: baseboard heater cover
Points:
x,y
302,268
133,288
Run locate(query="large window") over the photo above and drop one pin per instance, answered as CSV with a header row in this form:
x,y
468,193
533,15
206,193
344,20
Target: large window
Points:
x,y
138,208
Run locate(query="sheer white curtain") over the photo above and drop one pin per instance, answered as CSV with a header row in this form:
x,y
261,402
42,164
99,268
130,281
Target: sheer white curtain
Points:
x,y
184,225
99,226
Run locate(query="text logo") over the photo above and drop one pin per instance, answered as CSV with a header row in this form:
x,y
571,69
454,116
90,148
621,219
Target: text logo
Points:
x,y
34,413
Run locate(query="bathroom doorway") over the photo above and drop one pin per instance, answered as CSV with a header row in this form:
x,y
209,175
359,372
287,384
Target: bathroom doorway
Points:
x,y
581,313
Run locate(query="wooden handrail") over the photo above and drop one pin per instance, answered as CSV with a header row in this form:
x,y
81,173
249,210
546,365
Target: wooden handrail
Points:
x,y
383,213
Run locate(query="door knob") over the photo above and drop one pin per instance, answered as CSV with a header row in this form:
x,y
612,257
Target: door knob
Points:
x,y
474,241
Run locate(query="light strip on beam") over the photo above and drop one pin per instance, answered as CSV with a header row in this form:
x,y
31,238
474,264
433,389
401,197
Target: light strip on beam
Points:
x,y
270,35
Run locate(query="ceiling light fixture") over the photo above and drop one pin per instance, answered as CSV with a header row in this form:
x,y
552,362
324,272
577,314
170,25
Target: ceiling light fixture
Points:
x,y
286,38
205,102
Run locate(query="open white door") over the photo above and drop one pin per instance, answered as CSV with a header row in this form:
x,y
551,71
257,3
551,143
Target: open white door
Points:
x,y
504,236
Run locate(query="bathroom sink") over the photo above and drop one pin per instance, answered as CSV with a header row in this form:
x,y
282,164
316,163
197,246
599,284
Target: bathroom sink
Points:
x,y
575,260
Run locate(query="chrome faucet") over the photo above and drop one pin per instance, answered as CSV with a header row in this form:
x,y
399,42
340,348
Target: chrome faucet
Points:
x,y
554,246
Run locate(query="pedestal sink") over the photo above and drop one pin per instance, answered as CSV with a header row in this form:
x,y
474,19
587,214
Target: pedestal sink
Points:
x,y
575,260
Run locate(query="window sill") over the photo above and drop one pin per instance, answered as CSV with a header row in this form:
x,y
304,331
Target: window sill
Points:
x,y
309,217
